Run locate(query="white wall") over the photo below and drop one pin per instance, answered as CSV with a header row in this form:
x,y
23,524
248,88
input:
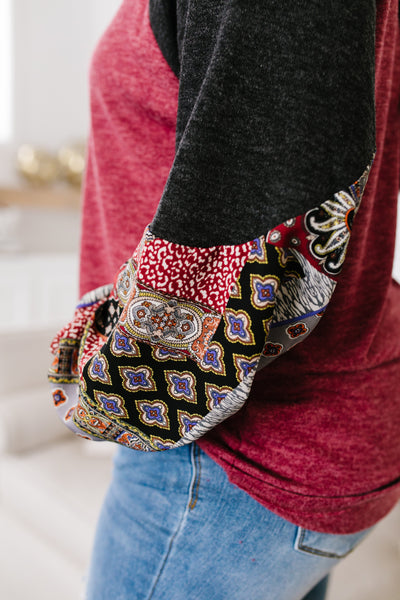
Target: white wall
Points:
x,y
52,44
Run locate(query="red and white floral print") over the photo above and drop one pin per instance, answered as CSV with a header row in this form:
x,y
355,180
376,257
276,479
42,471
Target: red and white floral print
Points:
x,y
203,275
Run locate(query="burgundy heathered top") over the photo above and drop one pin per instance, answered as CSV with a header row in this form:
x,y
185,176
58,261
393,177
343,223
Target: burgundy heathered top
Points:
x,y
326,416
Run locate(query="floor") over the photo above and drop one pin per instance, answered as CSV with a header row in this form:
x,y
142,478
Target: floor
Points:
x,y
29,568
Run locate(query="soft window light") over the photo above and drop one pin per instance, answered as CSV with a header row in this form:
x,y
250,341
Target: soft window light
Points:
x,y
5,71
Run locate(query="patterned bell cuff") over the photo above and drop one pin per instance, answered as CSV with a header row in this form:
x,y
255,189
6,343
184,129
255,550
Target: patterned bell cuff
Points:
x,y
174,348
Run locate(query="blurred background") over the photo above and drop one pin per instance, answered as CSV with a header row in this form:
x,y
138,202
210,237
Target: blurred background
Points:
x,y
51,483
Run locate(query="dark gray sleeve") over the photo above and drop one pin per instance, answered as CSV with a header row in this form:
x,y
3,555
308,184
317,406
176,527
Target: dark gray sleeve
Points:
x,y
275,113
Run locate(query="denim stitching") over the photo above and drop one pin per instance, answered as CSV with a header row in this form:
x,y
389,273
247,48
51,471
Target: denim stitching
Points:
x,y
197,475
194,478
317,552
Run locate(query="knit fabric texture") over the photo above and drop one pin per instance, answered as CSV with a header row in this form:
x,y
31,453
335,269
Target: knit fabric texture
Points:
x,y
239,119
275,112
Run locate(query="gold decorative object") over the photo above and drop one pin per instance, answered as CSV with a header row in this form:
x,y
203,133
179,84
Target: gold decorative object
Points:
x,y
72,163
37,166
42,168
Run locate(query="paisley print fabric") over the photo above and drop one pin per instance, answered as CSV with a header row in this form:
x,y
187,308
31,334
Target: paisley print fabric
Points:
x,y
323,233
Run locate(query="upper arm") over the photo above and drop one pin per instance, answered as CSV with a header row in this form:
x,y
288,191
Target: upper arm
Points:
x,y
276,113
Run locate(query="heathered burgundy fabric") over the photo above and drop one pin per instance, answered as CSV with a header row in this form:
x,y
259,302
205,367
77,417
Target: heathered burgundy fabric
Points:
x,y
318,441
134,97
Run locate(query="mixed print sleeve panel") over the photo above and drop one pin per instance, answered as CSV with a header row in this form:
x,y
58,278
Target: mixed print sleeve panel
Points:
x,y
275,141
173,349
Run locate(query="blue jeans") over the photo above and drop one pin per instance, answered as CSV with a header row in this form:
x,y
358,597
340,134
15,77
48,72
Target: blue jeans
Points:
x,y
173,527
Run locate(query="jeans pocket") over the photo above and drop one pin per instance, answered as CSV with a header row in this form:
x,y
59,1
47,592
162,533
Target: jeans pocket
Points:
x,y
327,545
